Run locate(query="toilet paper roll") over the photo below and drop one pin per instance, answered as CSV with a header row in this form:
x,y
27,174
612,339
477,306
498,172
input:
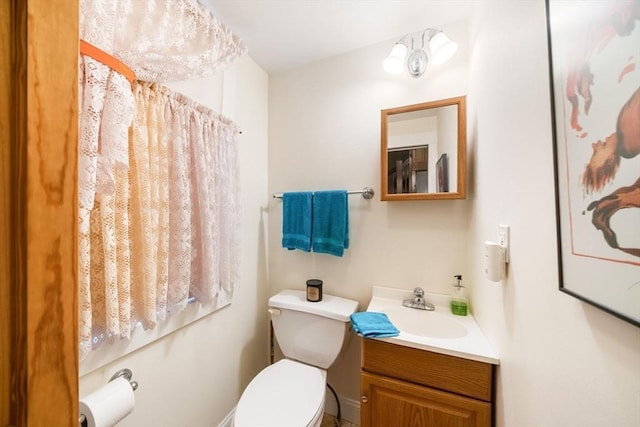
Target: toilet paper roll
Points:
x,y
108,405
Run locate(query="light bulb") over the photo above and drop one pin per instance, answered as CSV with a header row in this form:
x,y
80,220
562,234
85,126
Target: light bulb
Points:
x,y
394,63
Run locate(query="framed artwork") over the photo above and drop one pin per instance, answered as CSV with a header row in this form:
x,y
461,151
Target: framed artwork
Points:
x,y
594,66
442,174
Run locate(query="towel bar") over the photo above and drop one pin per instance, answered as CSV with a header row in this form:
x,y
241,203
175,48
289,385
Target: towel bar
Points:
x,y
367,193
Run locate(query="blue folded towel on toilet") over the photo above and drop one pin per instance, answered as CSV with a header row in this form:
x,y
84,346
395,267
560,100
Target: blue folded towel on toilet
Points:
x,y
330,222
296,220
371,324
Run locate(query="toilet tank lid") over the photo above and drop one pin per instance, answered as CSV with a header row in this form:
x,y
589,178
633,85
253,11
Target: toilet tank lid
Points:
x,y
331,306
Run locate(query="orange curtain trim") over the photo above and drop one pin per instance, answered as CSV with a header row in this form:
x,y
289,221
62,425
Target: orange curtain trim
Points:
x,y
108,60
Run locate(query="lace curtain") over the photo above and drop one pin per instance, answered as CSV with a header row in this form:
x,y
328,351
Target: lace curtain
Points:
x,y
169,230
160,40
156,172
184,160
106,112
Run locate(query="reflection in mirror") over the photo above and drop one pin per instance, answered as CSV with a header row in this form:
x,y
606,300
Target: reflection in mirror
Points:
x,y
407,170
423,151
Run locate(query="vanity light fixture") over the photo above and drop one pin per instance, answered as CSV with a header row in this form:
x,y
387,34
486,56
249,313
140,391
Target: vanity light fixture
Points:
x,y
438,49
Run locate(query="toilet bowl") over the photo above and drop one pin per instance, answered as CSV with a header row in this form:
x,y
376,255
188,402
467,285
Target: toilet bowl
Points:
x,y
311,335
285,394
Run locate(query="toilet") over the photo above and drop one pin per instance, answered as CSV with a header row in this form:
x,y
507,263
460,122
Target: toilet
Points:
x,y
311,335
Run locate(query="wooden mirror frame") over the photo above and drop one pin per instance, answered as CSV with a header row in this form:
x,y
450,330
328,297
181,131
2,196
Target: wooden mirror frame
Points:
x,y
460,191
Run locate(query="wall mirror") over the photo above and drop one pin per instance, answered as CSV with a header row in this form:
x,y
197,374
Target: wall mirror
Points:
x,y
423,151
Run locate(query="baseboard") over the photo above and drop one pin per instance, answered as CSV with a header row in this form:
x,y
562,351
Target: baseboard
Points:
x,y
349,408
228,420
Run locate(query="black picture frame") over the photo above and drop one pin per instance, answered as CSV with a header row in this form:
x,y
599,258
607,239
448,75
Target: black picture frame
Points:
x,y
594,70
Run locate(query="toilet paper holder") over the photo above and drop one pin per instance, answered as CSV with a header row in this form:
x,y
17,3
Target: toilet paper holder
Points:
x,y
126,374
122,373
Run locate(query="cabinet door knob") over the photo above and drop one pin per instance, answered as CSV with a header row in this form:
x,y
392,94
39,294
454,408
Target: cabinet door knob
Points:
x,y
364,399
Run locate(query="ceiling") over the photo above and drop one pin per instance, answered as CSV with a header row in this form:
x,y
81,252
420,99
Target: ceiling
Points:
x,y
285,34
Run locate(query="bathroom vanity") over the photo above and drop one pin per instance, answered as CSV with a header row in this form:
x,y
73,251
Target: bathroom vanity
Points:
x,y
407,387
426,380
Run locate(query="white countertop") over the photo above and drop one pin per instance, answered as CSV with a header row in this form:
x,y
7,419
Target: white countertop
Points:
x,y
473,345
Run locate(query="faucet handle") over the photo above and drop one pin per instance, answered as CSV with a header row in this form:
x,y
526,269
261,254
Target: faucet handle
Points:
x,y
418,292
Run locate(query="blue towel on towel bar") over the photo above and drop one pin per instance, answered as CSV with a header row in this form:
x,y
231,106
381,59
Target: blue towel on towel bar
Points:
x,y
330,222
371,324
296,220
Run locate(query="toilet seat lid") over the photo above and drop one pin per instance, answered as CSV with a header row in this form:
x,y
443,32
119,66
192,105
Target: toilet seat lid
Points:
x,y
285,394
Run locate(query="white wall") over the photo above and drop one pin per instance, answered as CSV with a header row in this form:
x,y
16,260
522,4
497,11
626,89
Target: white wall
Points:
x,y
324,133
194,376
563,362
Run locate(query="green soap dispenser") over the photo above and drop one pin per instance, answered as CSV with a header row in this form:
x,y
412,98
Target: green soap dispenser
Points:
x,y
459,300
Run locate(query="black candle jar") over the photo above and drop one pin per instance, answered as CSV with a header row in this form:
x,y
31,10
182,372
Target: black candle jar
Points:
x,y
314,290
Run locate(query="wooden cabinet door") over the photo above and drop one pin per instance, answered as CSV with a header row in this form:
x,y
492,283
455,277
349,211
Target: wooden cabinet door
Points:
x,y
387,402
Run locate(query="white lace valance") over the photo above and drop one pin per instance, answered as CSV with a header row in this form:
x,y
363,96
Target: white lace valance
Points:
x,y
160,40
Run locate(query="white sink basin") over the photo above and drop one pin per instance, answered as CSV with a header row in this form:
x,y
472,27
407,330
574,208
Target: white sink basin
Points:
x,y
438,331
425,323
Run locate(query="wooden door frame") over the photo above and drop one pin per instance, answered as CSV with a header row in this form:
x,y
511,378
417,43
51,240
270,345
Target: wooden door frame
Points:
x,y
38,213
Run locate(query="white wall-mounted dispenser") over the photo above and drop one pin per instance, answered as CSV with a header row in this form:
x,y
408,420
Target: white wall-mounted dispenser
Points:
x,y
496,255
494,261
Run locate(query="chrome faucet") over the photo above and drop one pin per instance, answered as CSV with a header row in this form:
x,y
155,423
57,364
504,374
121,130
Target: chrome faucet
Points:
x,y
418,301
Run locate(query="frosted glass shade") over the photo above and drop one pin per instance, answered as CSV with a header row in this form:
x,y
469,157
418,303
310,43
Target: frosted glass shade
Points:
x,y
394,63
442,48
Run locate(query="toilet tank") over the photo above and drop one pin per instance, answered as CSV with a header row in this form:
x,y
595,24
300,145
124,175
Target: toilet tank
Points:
x,y
311,332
